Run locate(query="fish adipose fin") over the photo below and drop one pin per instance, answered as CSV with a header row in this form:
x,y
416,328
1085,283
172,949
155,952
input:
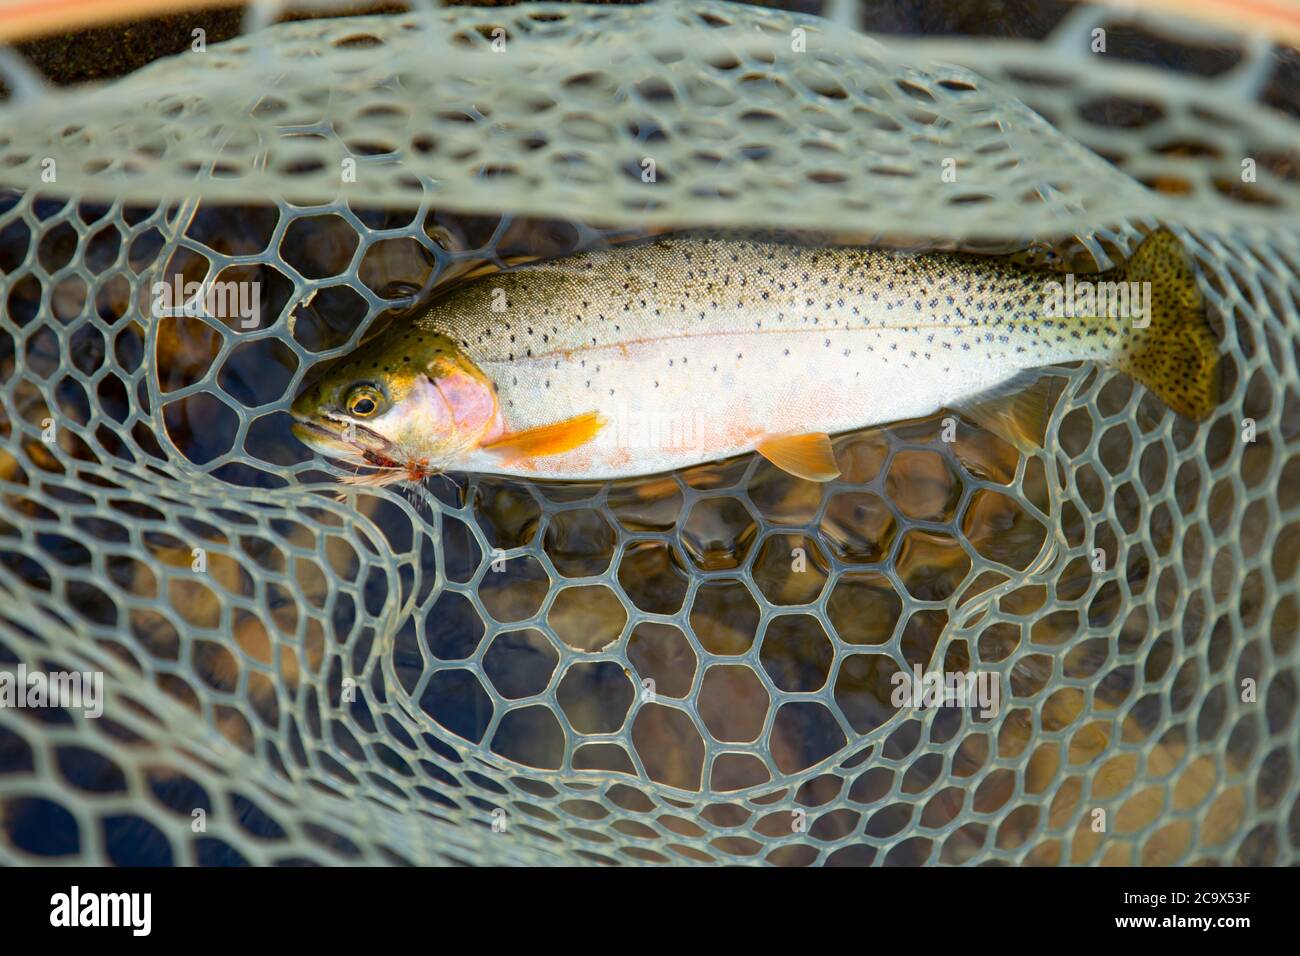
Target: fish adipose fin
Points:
x,y
547,439
1018,410
807,456
1176,355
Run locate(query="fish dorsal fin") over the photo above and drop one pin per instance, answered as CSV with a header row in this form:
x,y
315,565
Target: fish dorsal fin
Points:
x,y
551,439
1017,410
804,456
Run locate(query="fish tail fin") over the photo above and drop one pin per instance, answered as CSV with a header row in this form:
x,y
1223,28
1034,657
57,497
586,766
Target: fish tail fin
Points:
x,y
1175,354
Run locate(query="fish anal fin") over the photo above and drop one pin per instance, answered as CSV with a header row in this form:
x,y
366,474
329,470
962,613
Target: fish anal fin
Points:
x,y
553,439
1017,411
807,456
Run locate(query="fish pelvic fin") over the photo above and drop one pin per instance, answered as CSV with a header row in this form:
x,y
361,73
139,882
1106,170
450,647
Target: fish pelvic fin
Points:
x,y
545,440
807,456
1018,411
1176,354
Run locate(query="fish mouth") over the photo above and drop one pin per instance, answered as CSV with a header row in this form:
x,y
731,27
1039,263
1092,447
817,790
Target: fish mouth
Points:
x,y
326,436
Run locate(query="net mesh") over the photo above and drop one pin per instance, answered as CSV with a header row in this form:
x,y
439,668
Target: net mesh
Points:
x,y
688,668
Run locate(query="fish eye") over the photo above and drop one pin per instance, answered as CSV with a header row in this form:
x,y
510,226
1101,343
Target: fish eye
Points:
x,y
363,401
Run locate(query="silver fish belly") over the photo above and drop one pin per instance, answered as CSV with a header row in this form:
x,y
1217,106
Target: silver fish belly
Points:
x,y
691,349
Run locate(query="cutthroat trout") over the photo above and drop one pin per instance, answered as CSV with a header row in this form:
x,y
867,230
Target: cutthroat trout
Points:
x,y
648,358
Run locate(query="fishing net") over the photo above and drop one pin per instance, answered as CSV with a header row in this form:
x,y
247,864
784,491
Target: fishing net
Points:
x,y
688,668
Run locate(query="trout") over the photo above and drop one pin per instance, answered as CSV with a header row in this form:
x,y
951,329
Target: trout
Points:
x,y
688,349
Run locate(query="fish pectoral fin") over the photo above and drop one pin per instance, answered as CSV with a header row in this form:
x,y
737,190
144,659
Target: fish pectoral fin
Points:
x,y
552,439
1017,411
807,456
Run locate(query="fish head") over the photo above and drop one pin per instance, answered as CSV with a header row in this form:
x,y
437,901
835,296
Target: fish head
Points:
x,y
409,403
